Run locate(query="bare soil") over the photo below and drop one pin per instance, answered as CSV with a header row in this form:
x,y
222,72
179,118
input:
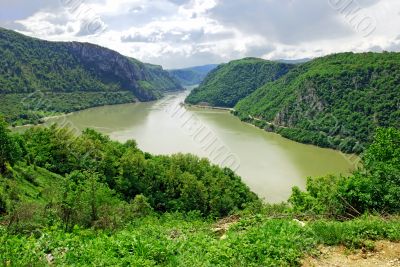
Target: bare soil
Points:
x,y
386,254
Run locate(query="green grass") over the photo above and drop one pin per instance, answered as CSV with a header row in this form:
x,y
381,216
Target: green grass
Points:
x,y
186,240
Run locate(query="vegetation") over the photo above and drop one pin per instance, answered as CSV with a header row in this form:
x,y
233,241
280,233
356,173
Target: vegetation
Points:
x,y
185,240
336,101
229,83
192,76
64,70
375,188
20,109
170,183
67,200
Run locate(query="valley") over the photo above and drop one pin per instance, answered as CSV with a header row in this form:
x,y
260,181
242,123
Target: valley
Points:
x,y
270,164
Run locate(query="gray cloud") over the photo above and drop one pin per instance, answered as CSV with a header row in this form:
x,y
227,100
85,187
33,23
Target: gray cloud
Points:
x,y
193,36
286,21
197,58
179,2
178,33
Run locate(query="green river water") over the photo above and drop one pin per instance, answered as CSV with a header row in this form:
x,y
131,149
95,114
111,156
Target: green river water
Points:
x,y
269,164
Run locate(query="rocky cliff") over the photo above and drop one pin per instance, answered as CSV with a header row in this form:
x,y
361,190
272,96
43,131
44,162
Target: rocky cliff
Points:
x,y
30,64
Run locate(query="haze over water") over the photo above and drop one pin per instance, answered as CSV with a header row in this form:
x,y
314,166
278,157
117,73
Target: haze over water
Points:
x,y
269,164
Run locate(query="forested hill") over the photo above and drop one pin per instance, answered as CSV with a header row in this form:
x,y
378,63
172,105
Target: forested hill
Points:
x,y
193,75
228,83
334,101
59,68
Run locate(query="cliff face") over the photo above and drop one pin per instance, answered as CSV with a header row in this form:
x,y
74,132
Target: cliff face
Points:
x,y
108,64
30,64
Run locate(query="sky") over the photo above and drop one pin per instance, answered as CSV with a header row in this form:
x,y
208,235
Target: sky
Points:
x,y
183,33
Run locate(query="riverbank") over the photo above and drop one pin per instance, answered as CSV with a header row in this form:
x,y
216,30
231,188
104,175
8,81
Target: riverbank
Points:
x,y
207,107
30,109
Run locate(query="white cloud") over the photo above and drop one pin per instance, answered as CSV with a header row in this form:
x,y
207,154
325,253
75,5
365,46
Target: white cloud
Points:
x,y
177,33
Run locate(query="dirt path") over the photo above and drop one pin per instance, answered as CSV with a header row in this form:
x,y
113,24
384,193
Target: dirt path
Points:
x,y
386,254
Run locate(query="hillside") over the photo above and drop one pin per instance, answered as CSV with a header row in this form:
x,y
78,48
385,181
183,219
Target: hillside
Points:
x,y
57,69
67,200
228,83
335,101
193,75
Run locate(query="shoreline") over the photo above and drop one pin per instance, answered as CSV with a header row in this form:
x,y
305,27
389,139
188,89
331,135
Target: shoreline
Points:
x,y
44,120
348,156
207,107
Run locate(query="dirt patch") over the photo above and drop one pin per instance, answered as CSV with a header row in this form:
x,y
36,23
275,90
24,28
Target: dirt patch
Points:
x,y
386,254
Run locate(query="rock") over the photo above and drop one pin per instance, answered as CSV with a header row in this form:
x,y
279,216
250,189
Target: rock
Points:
x,y
49,258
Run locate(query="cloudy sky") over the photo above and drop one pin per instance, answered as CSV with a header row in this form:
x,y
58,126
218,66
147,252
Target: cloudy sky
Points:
x,y
181,33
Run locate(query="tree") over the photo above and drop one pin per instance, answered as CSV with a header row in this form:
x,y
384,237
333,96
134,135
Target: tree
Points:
x,y
140,206
377,188
10,151
84,199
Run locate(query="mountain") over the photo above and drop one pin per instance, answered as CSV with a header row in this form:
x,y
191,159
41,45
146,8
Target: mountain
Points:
x,y
228,83
336,101
69,68
193,75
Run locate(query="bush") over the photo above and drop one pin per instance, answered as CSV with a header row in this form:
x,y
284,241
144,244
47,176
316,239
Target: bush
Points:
x,y
374,188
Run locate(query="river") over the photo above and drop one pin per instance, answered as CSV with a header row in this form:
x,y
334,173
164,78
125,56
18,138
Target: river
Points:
x,y
269,164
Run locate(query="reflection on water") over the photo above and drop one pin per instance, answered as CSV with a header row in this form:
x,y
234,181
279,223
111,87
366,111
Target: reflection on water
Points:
x,y
269,164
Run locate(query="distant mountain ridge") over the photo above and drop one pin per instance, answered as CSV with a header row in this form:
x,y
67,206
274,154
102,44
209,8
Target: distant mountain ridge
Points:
x,y
30,65
228,83
193,75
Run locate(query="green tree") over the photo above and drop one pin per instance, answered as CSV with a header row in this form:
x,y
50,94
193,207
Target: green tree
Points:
x,y
10,150
140,206
377,187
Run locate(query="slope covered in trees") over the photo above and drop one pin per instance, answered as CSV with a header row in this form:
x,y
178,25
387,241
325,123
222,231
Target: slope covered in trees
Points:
x,y
30,65
335,101
67,200
228,83
193,75
171,183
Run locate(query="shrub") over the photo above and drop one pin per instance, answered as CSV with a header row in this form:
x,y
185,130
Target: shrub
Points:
x,y
374,188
